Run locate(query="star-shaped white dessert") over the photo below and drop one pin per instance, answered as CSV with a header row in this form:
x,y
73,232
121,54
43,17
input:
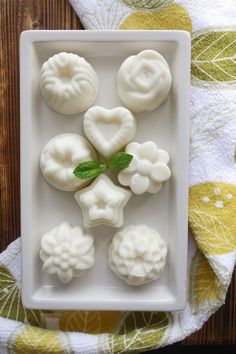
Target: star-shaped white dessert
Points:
x,y
103,202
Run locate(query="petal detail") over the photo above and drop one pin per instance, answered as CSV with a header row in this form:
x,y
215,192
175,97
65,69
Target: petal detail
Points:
x,y
139,184
148,151
160,172
163,156
65,276
132,148
124,178
154,187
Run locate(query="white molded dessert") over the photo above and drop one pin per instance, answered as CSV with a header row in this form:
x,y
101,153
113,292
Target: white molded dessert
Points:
x,y
148,169
67,252
137,255
68,83
144,81
103,202
59,158
109,130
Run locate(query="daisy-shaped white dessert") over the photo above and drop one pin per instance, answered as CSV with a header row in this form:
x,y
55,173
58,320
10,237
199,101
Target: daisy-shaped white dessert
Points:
x,y
103,202
67,252
147,170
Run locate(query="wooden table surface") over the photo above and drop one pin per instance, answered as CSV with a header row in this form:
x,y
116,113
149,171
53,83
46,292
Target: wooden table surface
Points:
x,y
16,16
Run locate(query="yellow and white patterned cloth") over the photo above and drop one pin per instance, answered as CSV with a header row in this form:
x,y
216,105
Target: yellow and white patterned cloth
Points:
x,y
212,206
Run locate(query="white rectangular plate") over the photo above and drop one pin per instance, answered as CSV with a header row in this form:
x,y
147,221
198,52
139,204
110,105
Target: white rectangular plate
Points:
x,y
43,207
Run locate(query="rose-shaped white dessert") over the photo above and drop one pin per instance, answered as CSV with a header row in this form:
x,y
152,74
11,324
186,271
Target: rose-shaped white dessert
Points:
x,y
68,83
147,170
67,252
103,202
137,254
59,158
109,130
144,81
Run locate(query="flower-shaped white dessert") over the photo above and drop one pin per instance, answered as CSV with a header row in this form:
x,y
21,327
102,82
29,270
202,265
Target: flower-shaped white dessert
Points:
x,y
137,254
147,170
103,202
67,252
109,130
144,81
68,83
59,158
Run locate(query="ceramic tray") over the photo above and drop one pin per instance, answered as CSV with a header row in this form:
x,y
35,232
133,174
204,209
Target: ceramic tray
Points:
x,y
43,207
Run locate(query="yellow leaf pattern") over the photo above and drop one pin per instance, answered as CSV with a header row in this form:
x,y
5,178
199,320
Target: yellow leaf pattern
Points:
x,y
89,322
205,290
10,300
171,17
212,217
147,4
139,331
34,340
213,56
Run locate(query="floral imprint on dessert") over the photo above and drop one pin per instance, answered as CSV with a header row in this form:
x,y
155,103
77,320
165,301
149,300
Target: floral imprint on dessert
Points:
x,y
68,83
148,169
59,158
67,252
103,202
144,81
137,254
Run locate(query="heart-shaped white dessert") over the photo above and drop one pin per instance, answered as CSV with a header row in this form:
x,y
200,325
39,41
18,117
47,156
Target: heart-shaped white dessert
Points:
x,y
109,130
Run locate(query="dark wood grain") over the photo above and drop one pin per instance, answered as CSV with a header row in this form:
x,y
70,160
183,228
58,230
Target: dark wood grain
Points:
x,y
16,16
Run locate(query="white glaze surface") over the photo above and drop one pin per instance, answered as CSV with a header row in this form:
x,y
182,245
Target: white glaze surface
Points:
x,y
144,81
147,170
67,252
137,254
59,158
43,208
109,130
103,202
68,83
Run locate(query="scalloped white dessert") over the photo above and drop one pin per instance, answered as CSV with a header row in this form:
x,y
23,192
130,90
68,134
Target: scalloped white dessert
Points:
x,y
144,81
109,130
137,255
103,202
148,169
67,252
68,83
59,158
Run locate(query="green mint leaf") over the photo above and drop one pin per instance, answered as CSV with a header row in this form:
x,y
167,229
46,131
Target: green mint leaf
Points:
x,y
89,169
120,161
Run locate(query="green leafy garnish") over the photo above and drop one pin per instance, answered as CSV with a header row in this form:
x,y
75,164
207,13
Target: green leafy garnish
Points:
x,y
89,169
120,161
92,169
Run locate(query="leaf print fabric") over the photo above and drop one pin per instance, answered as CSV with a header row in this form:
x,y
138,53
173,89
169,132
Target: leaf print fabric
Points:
x,y
10,300
147,4
212,194
206,291
138,328
214,57
212,217
171,17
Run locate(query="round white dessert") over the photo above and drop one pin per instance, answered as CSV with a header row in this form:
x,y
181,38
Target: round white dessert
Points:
x,y
137,254
59,158
144,81
67,252
68,83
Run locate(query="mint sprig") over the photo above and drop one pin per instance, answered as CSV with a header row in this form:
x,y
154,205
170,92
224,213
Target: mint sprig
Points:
x,y
119,161
91,169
